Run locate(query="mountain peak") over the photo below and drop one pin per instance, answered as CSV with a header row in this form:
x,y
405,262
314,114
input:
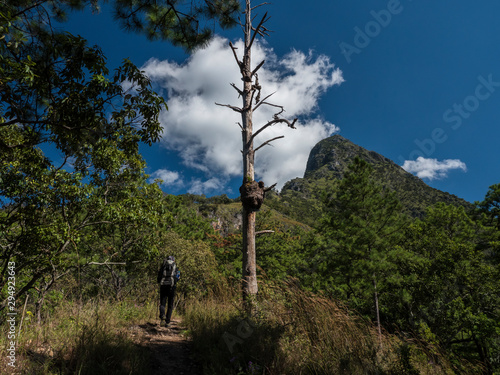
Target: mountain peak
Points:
x,y
327,163
332,155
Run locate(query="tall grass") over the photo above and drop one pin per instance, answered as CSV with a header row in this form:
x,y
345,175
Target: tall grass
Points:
x,y
292,332
295,332
83,339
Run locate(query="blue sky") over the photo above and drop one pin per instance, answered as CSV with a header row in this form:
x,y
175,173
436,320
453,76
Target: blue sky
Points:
x,y
416,81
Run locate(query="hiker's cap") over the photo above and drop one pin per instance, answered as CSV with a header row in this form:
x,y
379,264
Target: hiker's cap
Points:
x,y
171,257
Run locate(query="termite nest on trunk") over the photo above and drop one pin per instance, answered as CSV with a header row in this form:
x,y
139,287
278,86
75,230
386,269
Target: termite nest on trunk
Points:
x,y
252,195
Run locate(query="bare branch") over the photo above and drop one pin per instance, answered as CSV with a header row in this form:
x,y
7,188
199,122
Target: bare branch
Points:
x,y
258,67
270,123
264,19
236,109
237,89
64,162
241,24
106,263
254,89
268,142
270,187
233,48
263,101
264,232
260,5
263,31
290,124
276,120
275,106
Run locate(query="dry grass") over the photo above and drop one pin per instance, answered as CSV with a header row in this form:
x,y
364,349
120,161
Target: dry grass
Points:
x,y
292,332
295,332
87,339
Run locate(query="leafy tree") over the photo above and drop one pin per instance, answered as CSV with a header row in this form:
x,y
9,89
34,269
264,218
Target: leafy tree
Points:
x,y
488,212
490,206
454,296
56,93
196,262
278,246
362,227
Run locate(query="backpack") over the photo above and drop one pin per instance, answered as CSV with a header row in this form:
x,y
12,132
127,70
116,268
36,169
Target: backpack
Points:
x,y
168,272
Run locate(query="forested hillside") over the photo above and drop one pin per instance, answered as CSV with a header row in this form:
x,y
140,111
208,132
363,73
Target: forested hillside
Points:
x,y
431,277
327,163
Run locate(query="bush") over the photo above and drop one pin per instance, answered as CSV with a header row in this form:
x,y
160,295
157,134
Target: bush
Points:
x,y
87,339
295,332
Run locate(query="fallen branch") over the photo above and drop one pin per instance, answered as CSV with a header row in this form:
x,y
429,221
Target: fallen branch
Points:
x,y
106,263
264,232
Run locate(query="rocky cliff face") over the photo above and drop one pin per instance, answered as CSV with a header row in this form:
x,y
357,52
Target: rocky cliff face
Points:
x,y
331,157
328,157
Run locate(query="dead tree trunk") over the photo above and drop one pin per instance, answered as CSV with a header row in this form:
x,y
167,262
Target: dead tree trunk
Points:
x,y
249,272
252,193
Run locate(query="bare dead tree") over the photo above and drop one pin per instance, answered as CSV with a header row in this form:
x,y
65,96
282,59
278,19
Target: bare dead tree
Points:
x,y
252,192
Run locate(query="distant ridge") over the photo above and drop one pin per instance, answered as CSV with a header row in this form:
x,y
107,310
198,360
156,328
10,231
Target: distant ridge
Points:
x,y
300,198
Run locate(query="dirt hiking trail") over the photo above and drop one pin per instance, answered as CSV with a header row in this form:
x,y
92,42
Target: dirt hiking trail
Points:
x,y
170,349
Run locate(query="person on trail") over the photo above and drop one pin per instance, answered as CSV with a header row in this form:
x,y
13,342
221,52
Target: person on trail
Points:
x,y
168,276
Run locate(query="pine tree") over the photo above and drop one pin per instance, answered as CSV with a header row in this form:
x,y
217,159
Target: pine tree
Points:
x,y
364,220
188,24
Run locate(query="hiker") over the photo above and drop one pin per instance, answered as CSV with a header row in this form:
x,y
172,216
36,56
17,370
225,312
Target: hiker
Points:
x,y
168,276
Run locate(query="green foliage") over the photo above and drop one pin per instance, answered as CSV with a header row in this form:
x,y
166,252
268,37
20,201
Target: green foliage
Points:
x,y
195,260
362,226
295,332
57,94
88,338
328,161
179,22
454,292
490,206
488,213
277,242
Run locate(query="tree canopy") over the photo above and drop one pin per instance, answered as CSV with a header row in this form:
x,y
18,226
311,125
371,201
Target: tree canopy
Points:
x,y
188,24
57,94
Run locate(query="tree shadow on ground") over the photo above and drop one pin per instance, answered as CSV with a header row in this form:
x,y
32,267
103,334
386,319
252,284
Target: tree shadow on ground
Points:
x,y
171,352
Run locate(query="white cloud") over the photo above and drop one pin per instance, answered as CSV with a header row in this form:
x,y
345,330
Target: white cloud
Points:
x,y
433,169
201,187
207,137
169,178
